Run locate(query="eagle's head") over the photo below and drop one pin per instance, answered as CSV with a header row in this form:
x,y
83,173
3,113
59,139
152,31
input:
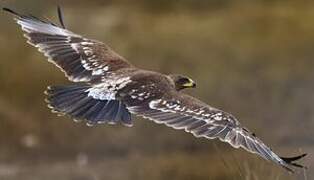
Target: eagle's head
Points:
x,y
182,82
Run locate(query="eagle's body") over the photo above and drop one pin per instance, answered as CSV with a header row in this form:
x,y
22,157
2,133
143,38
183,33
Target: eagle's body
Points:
x,y
108,89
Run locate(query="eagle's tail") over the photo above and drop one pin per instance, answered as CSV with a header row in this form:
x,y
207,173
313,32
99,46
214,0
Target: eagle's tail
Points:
x,y
73,100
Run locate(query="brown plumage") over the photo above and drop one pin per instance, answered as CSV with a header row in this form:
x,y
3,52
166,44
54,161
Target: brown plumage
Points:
x,y
112,89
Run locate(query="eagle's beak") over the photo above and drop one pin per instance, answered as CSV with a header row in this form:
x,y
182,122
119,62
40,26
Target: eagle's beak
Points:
x,y
190,84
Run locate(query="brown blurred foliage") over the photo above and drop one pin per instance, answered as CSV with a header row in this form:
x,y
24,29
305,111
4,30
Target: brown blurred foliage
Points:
x,y
251,58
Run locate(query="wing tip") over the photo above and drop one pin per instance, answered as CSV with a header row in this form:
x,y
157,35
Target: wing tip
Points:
x,y
290,161
60,16
10,11
294,158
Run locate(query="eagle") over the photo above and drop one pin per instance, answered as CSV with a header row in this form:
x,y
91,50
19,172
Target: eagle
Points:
x,y
108,89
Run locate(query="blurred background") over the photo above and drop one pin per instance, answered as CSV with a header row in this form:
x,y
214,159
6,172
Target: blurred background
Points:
x,y
254,59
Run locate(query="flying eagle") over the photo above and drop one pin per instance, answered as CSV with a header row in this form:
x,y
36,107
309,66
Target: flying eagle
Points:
x,y
108,89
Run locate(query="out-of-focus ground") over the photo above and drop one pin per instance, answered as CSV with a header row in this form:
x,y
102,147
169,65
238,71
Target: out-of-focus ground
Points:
x,y
254,59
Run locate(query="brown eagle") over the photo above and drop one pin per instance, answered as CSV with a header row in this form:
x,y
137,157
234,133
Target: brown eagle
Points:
x,y
108,89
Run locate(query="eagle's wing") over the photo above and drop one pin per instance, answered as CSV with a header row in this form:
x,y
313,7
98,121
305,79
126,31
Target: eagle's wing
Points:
x,y
180,111
81,59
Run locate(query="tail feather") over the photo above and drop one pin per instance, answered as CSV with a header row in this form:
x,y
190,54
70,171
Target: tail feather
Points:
x,y
92,112
74,101
113,110
102,112
125,116
79,109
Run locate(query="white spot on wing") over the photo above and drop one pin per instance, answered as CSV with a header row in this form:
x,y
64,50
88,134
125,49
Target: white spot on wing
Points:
x,y
108,88
86,43
75,46
98,72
